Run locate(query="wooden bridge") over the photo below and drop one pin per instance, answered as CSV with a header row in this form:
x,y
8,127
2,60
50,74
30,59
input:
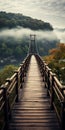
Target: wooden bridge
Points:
x,y
33,98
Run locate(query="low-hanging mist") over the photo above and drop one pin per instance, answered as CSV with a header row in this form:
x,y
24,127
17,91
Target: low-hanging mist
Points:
x,y
14,43
60,34
19,32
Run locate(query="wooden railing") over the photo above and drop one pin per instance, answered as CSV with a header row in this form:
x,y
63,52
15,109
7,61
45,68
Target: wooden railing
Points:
x,y
55,91
9,93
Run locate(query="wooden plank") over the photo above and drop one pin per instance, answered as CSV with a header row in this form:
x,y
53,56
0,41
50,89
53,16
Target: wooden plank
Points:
x,y
34,128
33,111
50,121
48,125
37,115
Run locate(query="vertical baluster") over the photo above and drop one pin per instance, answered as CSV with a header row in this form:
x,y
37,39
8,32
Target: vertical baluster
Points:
x,y
43,71
21,75
52,92
45,76
6,111
17,86
48,89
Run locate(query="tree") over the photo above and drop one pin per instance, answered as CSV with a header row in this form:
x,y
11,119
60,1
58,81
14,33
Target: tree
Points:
x,y
56,61
7,72
11,20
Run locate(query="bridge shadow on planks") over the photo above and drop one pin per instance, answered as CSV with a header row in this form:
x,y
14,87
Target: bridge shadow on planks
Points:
x,y
33,112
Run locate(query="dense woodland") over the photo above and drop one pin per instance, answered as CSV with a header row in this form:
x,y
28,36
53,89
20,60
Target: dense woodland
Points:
x,y
11,48
13,51
56,61
6,72
11,20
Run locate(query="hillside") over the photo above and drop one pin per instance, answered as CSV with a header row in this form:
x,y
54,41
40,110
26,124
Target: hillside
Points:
x,y
11,20
14,37
13,51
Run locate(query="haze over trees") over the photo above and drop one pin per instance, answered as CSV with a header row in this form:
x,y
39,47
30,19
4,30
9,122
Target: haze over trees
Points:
x,y
12,49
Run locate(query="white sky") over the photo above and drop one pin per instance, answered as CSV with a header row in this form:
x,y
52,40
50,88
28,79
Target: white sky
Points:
x,y
52,11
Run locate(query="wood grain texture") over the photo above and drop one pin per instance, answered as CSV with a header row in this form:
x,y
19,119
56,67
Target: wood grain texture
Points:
x,y
33,112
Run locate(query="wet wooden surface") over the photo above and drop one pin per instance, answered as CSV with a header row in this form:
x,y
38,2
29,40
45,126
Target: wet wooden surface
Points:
x,y
33,112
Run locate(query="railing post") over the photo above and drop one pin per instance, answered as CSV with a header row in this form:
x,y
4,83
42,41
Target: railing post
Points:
x,y
6,111
62,115
52,92
45,76
17,86
43,71
21,75
48,88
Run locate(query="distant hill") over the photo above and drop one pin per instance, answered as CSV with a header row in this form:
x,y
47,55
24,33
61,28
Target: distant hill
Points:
x,y
12,49
11,20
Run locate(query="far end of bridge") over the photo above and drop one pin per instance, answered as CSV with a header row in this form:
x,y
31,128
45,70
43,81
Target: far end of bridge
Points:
x,y
33,45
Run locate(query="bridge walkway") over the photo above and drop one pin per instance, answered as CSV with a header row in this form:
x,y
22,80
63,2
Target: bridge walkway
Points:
x,y
33,112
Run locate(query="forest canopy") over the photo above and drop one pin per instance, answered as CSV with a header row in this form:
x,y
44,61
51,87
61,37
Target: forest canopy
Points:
x,y
13,49
11,20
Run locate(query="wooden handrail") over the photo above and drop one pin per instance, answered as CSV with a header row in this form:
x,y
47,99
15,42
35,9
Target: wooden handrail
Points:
x,y
55,90
9,92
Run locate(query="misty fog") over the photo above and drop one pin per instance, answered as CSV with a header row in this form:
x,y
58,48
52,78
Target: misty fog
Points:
x,y
60,34
21,38
18,33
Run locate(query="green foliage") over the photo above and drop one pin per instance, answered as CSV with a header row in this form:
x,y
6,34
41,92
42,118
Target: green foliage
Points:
x,y
44,46
11,20
11,48
17,49
56,61
7,72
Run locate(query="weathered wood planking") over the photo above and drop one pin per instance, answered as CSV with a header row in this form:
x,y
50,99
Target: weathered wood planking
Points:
x,y
33,111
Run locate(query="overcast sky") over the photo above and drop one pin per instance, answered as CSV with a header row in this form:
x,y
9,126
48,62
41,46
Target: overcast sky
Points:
x,y
52,11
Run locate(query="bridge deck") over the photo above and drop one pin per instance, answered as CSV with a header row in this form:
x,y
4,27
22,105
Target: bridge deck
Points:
x,y
32,112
